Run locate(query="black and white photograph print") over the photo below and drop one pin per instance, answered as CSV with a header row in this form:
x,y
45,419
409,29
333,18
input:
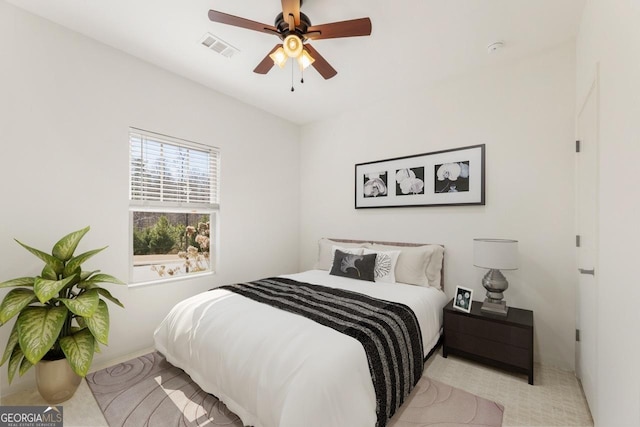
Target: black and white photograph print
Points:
x,y
451,177
375,184
463,298
410,181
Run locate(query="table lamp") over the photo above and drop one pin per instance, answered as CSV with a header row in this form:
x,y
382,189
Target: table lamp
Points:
x,y
496,255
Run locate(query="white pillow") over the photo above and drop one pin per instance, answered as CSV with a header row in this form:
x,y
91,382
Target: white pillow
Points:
x,y
385,269
325,252
417,265
434,267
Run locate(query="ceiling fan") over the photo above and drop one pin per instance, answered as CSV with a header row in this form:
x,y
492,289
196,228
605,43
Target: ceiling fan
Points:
x,y
294,29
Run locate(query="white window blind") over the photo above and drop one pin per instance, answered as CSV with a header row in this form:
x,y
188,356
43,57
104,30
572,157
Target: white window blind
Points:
x,y
166,171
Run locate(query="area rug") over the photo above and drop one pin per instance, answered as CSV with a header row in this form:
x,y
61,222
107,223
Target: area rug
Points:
x,y
148,391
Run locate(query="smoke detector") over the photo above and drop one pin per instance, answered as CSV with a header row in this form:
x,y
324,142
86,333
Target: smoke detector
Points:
x,y
494,46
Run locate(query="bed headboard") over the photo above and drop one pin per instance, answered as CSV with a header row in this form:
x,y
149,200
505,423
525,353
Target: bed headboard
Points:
x,y
397,244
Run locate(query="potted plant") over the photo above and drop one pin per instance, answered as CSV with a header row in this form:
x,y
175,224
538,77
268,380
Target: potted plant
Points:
x,y
62,318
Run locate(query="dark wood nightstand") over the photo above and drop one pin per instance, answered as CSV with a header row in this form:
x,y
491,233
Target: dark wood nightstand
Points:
x,y
504,342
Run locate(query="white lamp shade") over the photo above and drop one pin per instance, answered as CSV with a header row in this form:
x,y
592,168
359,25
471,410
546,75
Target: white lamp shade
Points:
x,y
498,254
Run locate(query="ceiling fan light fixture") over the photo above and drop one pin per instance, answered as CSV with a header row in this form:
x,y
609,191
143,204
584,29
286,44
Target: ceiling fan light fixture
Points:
x,y
292,46
305,59
279,57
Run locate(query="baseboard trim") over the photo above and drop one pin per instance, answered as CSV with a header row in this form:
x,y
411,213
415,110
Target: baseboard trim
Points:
x,y
106,363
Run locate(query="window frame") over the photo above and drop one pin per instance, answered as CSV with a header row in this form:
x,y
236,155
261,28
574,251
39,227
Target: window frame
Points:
x,y
156,206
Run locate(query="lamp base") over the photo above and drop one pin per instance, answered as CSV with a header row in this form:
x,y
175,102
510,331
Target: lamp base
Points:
x,y
498,308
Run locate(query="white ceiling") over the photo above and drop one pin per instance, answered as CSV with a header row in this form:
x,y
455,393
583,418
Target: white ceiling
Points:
x,y
413,42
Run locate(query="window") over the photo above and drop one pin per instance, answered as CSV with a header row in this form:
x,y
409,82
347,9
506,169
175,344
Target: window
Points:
x,y
174,201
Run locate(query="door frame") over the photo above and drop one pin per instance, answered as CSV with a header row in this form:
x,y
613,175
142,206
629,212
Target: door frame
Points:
x,y
593,90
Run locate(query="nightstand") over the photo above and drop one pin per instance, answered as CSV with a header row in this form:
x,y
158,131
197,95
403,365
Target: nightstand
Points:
x,y
503,342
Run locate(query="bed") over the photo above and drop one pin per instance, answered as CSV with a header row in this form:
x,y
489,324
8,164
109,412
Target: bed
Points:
x,y
274,368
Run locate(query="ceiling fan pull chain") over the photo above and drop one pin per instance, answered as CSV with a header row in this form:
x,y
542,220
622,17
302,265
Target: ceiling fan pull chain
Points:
x,y
292,89
302,76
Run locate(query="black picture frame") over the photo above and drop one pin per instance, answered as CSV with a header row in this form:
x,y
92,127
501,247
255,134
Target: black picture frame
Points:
x,y
454,177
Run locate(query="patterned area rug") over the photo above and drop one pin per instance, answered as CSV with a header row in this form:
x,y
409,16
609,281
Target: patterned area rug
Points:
x,y
149,391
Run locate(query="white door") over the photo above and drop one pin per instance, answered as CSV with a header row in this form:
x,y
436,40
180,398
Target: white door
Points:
x,y
587,257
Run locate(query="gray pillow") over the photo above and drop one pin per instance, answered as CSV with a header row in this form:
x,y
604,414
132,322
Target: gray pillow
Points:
x,y
359,267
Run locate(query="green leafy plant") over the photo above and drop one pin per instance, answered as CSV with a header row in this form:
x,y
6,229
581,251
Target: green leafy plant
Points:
x,y
61,313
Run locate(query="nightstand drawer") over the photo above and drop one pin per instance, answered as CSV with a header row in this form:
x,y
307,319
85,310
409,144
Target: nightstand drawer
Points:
x,y
487,329
505,342
500,352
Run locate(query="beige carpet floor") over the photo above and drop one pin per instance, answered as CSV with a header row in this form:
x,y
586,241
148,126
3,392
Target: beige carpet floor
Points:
x,y
556,399
557,392
148,391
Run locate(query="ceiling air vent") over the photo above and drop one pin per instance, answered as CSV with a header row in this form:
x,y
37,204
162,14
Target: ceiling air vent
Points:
x,y
218,45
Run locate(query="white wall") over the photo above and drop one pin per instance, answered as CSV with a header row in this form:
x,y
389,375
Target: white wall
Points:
x,y
66,103
610,35
524,114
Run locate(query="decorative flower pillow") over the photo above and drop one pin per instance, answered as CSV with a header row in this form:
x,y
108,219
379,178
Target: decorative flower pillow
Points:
x,y
385,265
354,251
359,267
325,252
417,265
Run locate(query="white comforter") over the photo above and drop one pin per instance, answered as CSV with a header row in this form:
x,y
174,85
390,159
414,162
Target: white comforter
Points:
x,y
278,369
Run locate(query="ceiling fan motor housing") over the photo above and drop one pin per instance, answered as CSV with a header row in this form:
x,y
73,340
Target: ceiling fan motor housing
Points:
x,y
283,26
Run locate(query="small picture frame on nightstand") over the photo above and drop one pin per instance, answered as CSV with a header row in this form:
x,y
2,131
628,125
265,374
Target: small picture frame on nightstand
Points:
x,y
463,298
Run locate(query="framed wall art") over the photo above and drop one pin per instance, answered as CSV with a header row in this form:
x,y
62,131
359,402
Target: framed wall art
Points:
x,y
442,178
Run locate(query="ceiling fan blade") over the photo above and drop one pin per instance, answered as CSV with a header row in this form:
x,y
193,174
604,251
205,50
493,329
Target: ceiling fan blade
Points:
x,y
352,28
320,64
312,35
291,7
267,63
236,21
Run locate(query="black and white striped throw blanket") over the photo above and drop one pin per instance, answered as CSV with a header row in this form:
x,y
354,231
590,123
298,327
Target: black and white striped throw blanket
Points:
x,y
388,331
